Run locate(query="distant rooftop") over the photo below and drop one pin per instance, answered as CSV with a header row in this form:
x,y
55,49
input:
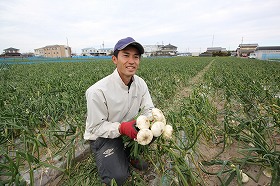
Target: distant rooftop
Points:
x,y
11,48
249,45
268,48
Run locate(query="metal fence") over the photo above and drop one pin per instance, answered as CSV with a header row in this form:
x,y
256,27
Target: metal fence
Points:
x,y
34,60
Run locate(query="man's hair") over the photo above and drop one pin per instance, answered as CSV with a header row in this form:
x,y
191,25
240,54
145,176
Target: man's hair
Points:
x,y
116,53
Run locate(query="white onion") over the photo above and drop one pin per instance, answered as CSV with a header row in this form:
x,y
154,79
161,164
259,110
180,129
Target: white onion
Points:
x,y
267,172
158,115
142,122
144,136
167,132
244,177
251,144
157,128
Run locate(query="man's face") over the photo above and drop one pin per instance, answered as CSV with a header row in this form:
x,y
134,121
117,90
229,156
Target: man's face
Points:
x,y
127,62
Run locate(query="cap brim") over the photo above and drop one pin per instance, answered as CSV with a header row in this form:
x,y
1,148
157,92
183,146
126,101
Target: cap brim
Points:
x,y
135,44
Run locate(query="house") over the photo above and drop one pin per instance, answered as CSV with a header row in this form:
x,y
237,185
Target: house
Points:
x,y
150,50
215,49
39,52
268,52
53,51
89,51
168,50
160,50
105,51
97,52
244,50
11,52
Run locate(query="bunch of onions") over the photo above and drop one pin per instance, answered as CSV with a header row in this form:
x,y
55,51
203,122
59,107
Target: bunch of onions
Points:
x,y
154,126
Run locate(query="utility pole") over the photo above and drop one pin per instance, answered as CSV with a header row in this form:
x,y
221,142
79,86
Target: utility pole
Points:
x,y
212,40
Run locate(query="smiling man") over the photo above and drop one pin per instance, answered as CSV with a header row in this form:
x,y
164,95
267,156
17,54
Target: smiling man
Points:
x,y
112,104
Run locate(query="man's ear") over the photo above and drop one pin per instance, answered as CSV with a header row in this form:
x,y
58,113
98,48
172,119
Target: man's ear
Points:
x,y
114,59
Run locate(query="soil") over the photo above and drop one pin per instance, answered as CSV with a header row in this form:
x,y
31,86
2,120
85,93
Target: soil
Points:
x,y
208,151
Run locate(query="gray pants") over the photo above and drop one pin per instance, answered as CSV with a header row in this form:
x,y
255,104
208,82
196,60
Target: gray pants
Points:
x,y
111,159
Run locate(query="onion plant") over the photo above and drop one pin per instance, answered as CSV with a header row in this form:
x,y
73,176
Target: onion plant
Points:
x,y
43,114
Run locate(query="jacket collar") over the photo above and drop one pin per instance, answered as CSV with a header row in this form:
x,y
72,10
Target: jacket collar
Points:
x,y
118,79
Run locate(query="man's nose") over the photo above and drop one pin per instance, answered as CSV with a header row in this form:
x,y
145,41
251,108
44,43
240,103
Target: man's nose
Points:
x,y
131,59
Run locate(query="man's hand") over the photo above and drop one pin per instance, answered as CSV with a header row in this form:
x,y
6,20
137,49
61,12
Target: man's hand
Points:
x,y
128,129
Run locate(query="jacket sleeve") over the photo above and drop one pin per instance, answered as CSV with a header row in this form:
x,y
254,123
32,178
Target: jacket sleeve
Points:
x,y
97,124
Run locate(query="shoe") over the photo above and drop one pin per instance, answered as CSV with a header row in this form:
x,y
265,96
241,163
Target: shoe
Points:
x,y
139,164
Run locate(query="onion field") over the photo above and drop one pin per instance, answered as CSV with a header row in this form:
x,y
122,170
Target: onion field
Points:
x,y
225,112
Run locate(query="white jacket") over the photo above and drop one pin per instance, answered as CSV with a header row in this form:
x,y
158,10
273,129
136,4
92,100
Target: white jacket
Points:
x,y
110,102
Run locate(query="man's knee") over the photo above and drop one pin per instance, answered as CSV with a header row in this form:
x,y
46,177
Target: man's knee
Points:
x,y
111,160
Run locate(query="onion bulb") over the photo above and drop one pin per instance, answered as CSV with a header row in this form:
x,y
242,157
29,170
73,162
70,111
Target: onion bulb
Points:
x,y
142,122
157,128
267,172
167,132
244,177
144,136
158,115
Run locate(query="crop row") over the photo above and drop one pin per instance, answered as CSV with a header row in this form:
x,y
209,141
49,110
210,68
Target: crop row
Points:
x,y
43,113
43,107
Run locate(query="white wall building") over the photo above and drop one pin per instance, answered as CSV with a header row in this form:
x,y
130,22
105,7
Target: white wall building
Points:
x,y
105,51
151,49
159,50
53,51
97,52
267,52
88,51
216,49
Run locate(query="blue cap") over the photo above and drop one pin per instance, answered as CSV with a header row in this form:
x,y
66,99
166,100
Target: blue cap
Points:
x,y
121,44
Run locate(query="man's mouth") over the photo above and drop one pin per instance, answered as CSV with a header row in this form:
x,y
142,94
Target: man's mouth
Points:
x,y
130,68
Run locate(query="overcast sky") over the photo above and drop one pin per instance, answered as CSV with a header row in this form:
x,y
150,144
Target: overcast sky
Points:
x,y
191,25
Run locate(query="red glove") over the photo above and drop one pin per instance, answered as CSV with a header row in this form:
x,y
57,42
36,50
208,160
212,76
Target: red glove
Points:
x,y
128,129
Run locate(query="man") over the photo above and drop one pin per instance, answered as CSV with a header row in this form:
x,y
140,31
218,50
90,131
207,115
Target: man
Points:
x,y
112,104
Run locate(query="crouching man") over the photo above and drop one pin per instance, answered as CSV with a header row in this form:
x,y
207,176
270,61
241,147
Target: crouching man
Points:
x,y
112,104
